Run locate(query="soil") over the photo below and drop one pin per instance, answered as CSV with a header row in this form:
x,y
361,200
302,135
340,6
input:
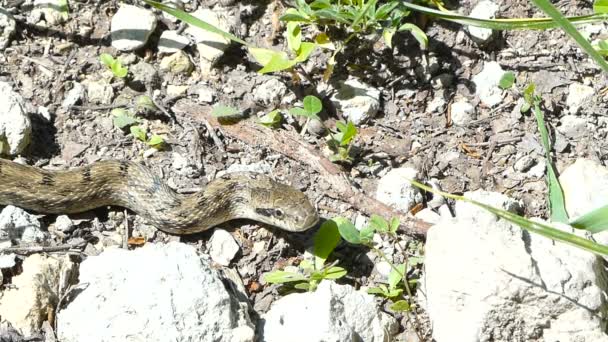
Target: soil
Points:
x,y
42,63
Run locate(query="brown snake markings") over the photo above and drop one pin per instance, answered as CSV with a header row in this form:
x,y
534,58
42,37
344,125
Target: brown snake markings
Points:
x,y
131,185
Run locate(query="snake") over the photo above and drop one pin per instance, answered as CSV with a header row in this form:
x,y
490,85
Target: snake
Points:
x,y
239,195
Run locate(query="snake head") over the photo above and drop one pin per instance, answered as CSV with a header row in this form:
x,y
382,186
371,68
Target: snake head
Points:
x,y
282,206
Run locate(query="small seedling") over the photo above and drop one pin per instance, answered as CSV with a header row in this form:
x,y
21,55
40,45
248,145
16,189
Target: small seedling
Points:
x,y
124,119
140,134
507,80
272,119
340,141
311,274
114,65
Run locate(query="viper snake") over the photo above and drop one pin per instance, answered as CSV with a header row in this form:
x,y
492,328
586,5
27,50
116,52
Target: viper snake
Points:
x,y
133,186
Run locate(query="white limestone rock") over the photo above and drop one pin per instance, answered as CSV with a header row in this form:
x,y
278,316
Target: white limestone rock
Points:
x,y
15,124
131,27
155,293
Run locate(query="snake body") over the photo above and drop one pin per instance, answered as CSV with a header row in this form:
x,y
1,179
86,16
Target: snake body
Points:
x,y
133,186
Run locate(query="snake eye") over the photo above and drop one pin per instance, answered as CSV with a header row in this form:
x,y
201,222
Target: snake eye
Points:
x,y
278,213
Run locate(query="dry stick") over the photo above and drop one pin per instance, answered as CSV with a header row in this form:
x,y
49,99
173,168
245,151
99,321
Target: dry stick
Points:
x,y
26,250
291,145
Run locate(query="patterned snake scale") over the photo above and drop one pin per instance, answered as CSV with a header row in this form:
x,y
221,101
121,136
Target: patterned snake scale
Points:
x,y
133,186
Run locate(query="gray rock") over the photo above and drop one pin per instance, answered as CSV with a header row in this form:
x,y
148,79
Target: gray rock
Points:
x,y
54,12
8,28
524,163
145,76
17,224
270,92
462,112
578,94
395,189
205,93
15,124
155,293
64,224
171,41
573,126
99,91
486,84
437,104
332,313
211,46
177,63
223,247
357,101
501,281
131,27
484,9
35,292
585,186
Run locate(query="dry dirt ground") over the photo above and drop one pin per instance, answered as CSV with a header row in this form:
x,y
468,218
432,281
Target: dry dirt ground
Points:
x,y
42,62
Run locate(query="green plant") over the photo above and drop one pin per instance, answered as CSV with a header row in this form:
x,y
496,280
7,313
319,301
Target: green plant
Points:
x,y
310,274
114,65
340,140
140,134
123,118
356,17
272,119
397,281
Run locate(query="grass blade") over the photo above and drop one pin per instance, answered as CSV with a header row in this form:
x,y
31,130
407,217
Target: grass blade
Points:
x,y
567,26
192,20
556,195
504,24
594,221
529,225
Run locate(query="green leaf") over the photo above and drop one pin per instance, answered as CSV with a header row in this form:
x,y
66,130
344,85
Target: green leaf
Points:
x,y
347,230
556,195
400,306
272,119
118,70
145,103
280,277
600,6
106,59
306,265
192,20
420,36
294,36
387,35
312,104
348,132
377,290
138,133
303,286
277,61
394,225
507,80
123,119
155,141
335,272
306,49
378,223
325,240
395,277
529,225
366,234
221,111
594,221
